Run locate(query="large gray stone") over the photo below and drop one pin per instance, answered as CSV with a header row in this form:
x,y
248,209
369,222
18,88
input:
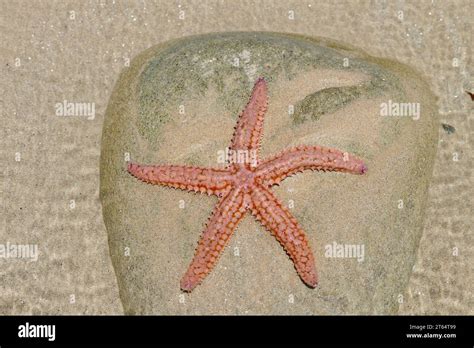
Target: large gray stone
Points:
x,y
178,103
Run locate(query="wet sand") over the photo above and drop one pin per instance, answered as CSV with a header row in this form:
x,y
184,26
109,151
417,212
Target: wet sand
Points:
x,y
56,51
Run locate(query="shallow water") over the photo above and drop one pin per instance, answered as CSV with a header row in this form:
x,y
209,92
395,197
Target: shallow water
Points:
x,y
73,50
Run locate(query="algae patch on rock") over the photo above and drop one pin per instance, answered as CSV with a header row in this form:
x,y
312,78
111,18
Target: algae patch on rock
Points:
x,y
178,103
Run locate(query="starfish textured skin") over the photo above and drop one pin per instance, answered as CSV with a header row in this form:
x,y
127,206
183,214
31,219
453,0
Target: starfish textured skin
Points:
x,y
245,187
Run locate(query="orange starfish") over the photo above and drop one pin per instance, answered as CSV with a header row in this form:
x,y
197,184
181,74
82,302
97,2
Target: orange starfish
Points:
x,y
244,186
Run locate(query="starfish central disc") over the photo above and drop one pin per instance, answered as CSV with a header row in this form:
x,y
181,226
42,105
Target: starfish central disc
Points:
x,y
245,179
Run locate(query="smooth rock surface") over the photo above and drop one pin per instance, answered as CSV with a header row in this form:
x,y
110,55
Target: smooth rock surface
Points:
x,y
178,103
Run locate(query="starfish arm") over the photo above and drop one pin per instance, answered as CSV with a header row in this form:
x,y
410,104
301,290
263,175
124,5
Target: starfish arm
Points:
x,y
220,227
212,181
248,131
281,223
273,170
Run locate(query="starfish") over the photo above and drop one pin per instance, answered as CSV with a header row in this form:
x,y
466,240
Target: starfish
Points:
x,y
245,187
